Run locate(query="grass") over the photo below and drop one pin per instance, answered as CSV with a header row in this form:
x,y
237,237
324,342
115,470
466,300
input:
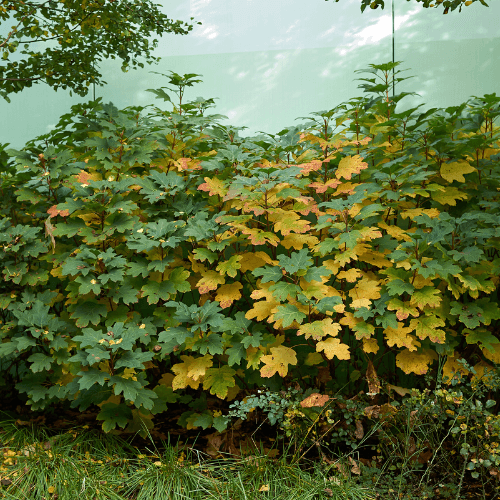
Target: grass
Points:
x,y
84,464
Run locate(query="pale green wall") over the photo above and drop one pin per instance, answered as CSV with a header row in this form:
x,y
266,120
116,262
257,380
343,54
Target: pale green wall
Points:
x,y
270,61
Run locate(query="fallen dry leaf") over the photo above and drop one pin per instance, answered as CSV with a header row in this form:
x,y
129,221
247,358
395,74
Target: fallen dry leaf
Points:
x,y
314,399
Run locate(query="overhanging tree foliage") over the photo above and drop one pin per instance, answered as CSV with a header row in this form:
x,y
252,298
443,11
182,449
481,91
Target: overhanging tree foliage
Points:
x,y
61,42
446,4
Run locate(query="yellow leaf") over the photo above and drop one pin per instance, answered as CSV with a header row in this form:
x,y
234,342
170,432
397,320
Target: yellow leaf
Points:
x,y
374,258
210,281
396,232
426,297
413,362
278,361
331,265
214,186
365,289
129,373
455,170
363,302
350,275
349,166
259,237
264,487
493,356
261,310
403,309
415,212
313,358
333,347
230,266
370,346
227,294
484,372
401,337
346,188
253,357
166,380
349,320
428,326
288,224
253,260
297,241
112,399
51,489
181,379
319,329
452,367
449,196
198,366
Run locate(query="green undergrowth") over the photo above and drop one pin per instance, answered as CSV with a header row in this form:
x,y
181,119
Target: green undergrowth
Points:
x,y
78,463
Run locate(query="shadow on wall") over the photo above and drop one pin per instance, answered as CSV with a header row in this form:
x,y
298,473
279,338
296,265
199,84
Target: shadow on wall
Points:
x,y
267,66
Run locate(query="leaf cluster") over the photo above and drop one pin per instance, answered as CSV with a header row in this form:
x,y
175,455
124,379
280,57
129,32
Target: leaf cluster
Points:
x,y
154,257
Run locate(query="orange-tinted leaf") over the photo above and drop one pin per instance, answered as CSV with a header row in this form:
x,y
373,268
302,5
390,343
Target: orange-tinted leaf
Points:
x,y
214,186
53,211
315,399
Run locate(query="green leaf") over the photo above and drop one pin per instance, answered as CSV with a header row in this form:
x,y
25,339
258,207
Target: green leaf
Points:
x,y
40,362
289,313
297,261
134,359
219,380
113,415
213,344
482,337
89,312
254,340
203,420
90,377
128,386
398,287
268,273
236,353
315,273
282,290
